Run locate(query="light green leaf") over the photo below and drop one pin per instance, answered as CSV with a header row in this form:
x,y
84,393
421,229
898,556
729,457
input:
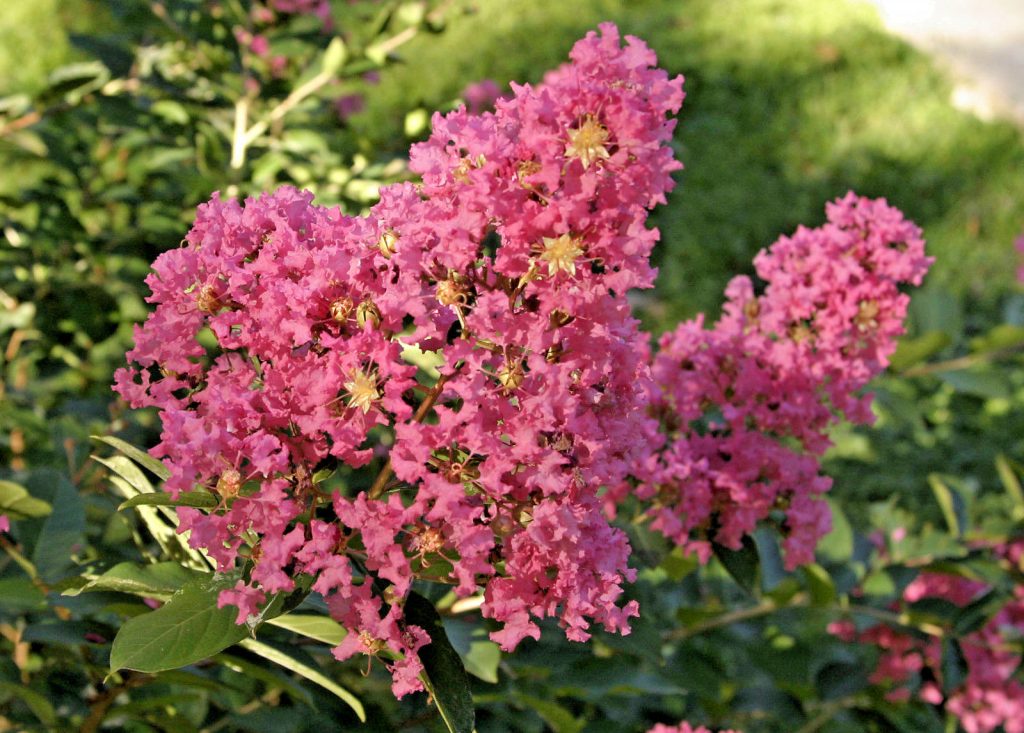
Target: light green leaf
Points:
x,y
1012,484
288,661
334,57
480,655
127,470
159,580
320,628
17,503
837,545
951,504
202,499
136,454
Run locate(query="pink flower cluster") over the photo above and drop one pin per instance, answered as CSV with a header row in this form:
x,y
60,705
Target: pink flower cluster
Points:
x,y
990,697
5,523
745,405
283,344
683,728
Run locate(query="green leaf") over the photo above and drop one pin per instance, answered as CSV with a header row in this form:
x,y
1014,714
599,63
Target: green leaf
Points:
x,y
187,629
127,470
35,702
61,532
773,572
951,503
480,655
201,499
334,56
983,381
977,613
273,677
136,454
678,564
159,580
742,564
840,679
1012,485
954,665
444,676
299,667
557,717
820,584
20,595
321,628
912,351
17,503
837,545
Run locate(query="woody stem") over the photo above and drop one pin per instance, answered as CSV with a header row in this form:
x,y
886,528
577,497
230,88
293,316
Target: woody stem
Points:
x,y
385,474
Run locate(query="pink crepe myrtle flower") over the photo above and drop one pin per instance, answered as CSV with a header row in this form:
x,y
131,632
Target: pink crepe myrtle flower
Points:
x,y
319,8
278,348
683,728
481,95
511,262
745,405
990,697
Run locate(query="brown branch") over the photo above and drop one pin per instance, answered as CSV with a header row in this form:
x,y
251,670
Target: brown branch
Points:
x,y
98,707
385,474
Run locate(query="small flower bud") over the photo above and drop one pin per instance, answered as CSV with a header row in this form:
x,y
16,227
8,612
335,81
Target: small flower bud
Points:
x,y
387,243
368,312
511,375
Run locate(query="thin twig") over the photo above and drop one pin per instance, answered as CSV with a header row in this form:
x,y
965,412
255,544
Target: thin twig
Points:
x,y
385,473
963,362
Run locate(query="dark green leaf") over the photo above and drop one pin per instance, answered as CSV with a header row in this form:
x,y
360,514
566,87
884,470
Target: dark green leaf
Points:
x,y
954,665
35,702
61,533
840,679
557,717
742,564
444,674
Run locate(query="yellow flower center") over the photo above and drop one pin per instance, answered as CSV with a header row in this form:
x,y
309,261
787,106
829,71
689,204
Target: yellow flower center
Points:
x,y
560,253
587,142
362,389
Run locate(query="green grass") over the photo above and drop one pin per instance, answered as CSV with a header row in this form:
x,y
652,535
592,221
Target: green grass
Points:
x,y
790,103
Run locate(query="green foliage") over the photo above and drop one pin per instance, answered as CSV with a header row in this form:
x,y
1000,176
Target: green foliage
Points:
x,y
187,629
